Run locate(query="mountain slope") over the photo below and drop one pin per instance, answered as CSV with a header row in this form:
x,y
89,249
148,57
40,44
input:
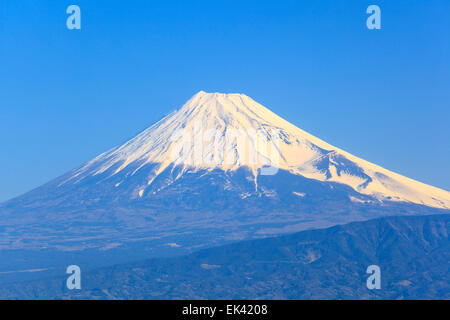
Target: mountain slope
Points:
x,y
231,131
222,168
412,252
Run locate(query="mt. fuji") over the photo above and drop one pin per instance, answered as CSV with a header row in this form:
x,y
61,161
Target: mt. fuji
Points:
x,y
210,117
221,168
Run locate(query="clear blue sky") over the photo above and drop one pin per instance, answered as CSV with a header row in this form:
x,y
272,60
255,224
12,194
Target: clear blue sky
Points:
x,y
66,96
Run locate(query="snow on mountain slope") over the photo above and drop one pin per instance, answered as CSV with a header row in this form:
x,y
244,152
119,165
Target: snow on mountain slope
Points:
x,y
231,131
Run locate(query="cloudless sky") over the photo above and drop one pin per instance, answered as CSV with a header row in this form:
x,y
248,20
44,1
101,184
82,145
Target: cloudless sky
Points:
x,y
69,95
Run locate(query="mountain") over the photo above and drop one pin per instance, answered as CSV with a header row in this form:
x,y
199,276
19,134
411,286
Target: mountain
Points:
x,y
413,254
222,168
231,131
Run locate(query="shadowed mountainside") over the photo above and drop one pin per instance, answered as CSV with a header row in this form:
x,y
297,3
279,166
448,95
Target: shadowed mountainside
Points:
x,y
413,253
201,177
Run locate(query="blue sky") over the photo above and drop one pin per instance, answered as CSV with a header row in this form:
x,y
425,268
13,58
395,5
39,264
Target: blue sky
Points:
x,y
69,95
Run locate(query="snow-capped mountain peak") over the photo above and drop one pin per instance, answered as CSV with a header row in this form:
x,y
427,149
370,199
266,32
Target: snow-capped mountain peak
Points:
x,y
231,131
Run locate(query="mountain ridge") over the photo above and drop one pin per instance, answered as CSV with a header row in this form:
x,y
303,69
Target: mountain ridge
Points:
x,y
259,138
231,131
122,203
412,252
